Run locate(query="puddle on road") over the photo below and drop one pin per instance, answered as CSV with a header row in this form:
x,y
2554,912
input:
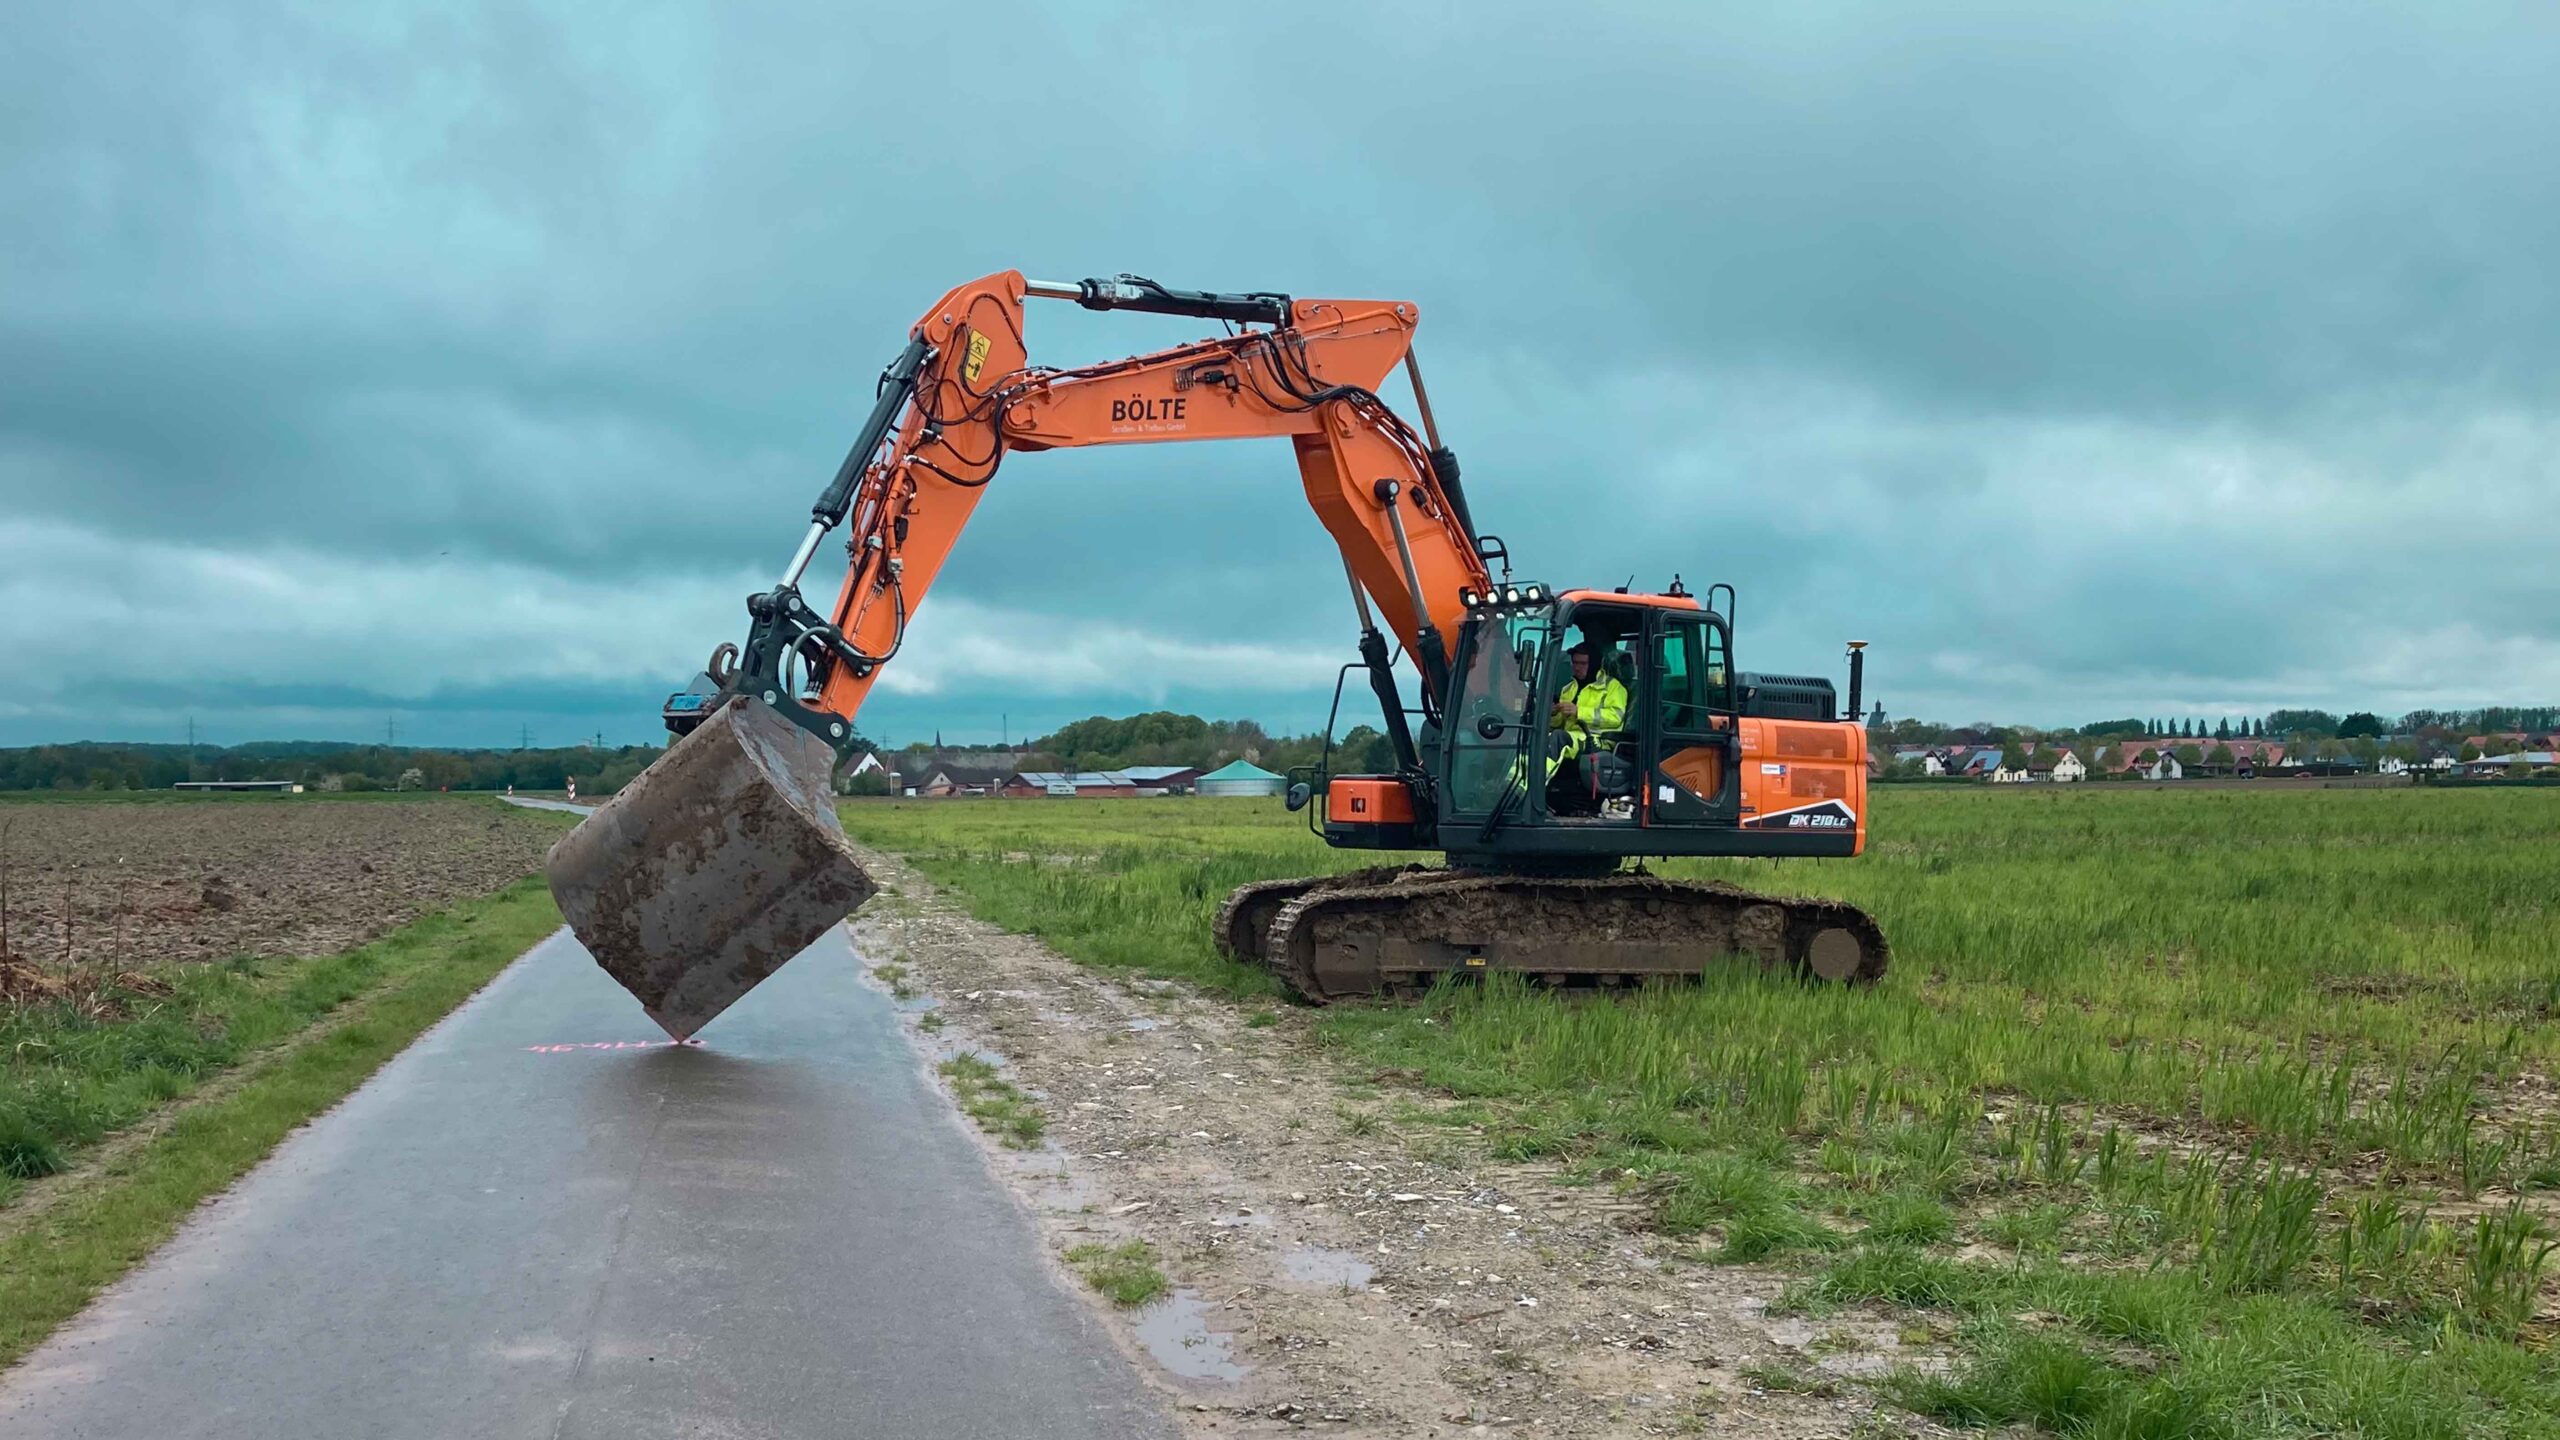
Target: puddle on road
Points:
x,y
1176,1332
1316,1265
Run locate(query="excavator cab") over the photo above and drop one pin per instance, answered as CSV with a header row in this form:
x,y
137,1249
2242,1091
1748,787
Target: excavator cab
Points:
x,y
1526,771
1703,759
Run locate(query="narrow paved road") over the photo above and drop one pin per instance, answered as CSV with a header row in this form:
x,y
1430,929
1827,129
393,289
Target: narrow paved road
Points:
x,y
519,1229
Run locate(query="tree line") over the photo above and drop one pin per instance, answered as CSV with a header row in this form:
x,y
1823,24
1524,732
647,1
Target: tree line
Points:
x,y
1166,737
2309,729
319,765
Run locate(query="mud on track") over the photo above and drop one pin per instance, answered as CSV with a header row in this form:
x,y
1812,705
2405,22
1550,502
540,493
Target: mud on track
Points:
x,y
126,884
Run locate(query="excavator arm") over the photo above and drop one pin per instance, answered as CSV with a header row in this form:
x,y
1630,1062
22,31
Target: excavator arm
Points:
x,y
964,395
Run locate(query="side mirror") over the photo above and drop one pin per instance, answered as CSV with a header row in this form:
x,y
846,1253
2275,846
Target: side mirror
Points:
x,y
1299,795
1490,726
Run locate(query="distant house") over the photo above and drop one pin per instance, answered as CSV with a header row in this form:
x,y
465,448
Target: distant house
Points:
x,y
945,781
2258,753
1931,763
2004,773
2067,766
1069,783
866,763
2495,765
2508,741
2164,765
1979,765
1162,779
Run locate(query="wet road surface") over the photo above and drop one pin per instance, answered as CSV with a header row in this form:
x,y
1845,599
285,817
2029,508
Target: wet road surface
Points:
x,y
546,1220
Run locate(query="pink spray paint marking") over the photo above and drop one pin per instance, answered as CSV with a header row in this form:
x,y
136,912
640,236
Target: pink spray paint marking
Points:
x,y
609,1045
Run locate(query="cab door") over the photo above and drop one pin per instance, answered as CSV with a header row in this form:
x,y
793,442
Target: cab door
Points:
x,y
1693,745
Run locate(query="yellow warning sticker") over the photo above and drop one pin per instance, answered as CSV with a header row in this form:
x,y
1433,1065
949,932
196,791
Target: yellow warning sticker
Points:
x,y
976,359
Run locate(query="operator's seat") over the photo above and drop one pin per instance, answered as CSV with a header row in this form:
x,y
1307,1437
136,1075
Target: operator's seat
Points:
x,y
1623,743
1621,667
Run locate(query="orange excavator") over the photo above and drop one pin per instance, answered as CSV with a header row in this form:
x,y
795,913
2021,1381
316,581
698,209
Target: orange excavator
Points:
x,y
1555,735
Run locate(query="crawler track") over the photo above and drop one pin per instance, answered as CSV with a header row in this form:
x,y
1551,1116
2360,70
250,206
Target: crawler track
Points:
x,y
1390,930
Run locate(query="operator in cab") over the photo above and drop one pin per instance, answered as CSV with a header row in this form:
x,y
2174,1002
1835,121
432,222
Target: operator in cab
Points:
x,y
1592,704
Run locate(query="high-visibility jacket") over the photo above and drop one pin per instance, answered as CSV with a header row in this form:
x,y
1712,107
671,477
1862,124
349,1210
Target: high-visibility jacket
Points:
x,y
1599,706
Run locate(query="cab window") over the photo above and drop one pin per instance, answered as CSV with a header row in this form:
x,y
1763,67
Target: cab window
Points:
x,y
1695,676
1501,675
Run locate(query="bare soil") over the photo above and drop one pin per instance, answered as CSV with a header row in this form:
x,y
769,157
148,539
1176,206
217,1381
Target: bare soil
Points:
x,y
1339,1266
108,885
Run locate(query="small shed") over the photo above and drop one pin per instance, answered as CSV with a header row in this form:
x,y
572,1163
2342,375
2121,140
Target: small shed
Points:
x,y
1241,778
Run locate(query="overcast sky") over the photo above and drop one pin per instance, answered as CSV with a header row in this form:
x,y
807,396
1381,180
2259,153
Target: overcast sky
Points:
x,y
468,364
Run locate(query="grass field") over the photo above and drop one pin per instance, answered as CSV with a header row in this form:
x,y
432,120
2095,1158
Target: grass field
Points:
x,y
2188,1113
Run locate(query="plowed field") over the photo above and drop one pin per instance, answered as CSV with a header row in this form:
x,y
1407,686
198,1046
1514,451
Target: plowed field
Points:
x,y
122,885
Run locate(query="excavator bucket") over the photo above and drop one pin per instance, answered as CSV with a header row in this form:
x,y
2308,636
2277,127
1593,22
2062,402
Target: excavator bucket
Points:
x,y
720,862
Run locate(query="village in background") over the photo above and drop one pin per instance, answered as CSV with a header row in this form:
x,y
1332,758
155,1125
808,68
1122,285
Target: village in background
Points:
x,y
1162,752
2494,742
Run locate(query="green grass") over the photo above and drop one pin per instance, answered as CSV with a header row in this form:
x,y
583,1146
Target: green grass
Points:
x,y
297,1035
2247,1087
73,1076
1125,1272
999,1107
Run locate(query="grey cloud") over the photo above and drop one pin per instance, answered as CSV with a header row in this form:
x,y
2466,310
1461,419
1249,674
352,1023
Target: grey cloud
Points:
x,y
2080,358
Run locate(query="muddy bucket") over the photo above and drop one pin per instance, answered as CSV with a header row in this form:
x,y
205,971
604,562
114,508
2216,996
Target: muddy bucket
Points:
x,y
720,862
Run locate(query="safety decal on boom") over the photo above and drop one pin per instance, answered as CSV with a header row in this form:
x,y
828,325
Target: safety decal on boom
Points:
x,y
1823,815
976,358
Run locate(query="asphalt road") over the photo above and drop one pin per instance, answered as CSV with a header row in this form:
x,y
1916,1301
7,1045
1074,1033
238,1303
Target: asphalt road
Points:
x,y
546,1220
